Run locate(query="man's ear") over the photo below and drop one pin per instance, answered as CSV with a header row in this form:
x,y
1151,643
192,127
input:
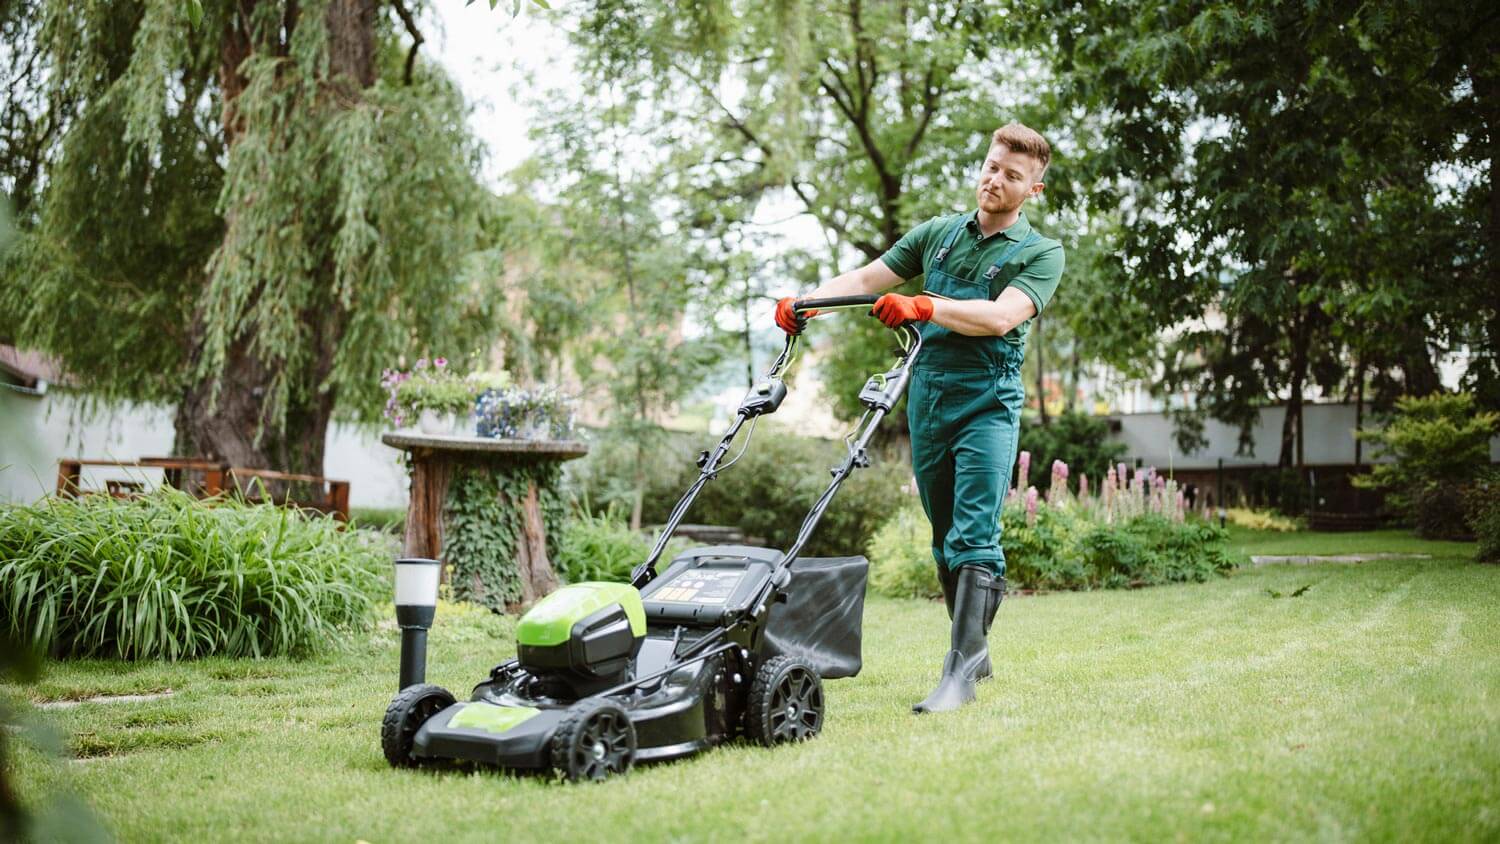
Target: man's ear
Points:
x,y
1037,188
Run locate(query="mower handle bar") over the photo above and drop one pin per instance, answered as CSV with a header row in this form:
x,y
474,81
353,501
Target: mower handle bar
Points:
x,y
834,302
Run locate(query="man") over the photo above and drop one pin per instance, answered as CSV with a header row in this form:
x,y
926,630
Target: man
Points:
x,y
987,273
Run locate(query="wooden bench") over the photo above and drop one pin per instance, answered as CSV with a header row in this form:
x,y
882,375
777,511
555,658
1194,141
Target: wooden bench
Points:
x,y
174,471
329,496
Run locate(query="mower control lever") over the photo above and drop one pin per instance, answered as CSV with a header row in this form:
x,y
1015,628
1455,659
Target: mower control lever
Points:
x,y
763,398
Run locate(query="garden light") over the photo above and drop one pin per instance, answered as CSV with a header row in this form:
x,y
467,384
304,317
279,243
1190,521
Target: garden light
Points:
x,y
416,603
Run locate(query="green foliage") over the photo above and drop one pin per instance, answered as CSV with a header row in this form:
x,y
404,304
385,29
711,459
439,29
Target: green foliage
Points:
x,y
1337,256
766,494
1439,443
598,547
1260,520
1482,508
254,206
1062,547
769,491
1076,439
482,526
168,577
388,520
900,552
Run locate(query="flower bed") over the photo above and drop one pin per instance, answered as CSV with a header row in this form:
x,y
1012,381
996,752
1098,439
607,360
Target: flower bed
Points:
x,y
1128,530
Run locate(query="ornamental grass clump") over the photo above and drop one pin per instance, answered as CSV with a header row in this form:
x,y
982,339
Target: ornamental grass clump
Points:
x,y
1129,530
166,576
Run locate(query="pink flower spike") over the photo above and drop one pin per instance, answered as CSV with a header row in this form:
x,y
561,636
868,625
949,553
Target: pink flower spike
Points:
x,y
1031,504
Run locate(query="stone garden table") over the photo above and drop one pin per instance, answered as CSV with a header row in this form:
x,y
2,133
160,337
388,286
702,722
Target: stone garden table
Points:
x,y
513,476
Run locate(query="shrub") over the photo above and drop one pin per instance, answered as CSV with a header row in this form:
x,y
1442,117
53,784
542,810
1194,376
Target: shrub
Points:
x,y
1131,533
389,520
167,576
900,555
1260,520
1482,506
1440,443
598,547
766,494
1076,439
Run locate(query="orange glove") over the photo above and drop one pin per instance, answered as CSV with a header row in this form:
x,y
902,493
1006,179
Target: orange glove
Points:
x,y
789,320
894,309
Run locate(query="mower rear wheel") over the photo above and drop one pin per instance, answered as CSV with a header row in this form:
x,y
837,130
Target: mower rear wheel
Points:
x,y
409,710
594,742
786,702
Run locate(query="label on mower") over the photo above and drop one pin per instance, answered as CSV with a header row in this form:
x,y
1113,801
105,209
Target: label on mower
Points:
x,y
700,586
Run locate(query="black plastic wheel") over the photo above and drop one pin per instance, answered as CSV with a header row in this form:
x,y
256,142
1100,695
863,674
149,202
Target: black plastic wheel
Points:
x,y
786,702
409,710
596,741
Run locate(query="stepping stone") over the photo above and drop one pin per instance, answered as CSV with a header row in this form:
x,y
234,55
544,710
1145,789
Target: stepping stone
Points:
x,y
69,704
1312,559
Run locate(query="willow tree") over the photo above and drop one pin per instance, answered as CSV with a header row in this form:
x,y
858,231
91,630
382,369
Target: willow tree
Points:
x,y
247,213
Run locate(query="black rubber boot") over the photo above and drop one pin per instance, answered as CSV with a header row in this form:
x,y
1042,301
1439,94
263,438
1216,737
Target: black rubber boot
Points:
x,y
948,579
969,648
992,606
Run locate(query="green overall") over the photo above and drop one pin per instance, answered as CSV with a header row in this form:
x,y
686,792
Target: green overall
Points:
x,y
964,408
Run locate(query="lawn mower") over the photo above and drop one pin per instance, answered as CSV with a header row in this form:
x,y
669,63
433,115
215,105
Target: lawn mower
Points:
x,y
728,641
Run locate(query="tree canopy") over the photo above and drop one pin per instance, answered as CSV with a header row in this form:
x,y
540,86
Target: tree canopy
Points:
x,y
250,217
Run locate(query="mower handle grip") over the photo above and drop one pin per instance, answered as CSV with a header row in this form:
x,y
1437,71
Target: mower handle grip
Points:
x,y
833,302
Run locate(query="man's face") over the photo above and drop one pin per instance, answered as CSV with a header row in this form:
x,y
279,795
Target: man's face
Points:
x,y
1007,179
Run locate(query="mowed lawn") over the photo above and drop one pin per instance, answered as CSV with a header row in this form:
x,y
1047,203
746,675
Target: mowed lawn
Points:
x,y
1368,707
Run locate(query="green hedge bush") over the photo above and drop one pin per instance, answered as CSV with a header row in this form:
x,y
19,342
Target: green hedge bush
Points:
x,y
766,494
1440,444
1482,507
1060,549
167,576
1134,533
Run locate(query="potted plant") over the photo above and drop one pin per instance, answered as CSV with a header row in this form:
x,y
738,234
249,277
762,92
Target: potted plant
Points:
x,y
433,396
524,413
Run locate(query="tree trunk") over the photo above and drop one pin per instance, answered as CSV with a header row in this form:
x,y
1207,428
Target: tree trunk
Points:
x,y
1291,426
233,426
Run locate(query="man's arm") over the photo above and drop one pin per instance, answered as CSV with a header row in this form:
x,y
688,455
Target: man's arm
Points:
x,y
982,317
869,279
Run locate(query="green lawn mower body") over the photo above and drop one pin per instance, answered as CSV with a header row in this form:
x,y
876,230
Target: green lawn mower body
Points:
x,y
728,641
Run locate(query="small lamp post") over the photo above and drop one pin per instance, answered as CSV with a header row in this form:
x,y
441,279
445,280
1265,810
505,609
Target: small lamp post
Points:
x,y
416,603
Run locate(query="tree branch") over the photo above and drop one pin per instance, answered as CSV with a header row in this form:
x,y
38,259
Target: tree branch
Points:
x,y
416,38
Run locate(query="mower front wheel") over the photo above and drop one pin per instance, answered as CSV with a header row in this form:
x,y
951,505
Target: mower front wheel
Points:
x,y
786,702
409,710
594,742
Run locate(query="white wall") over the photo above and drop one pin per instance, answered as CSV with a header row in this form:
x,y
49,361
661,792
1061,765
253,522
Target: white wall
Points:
x,y
1329,429
37,431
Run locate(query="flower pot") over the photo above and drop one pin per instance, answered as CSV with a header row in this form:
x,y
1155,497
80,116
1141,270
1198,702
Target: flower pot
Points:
x,y
442,424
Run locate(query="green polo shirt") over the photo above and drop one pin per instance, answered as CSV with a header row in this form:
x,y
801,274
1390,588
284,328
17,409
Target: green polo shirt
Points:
x,y
1034,270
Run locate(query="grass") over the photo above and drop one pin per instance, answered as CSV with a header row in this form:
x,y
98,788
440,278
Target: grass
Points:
x,y
1366,708
1354,542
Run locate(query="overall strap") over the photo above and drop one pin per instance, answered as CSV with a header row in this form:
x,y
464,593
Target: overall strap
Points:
x,y
994,270
948,242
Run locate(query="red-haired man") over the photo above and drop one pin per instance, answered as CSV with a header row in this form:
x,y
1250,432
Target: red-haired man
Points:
x,y
987,274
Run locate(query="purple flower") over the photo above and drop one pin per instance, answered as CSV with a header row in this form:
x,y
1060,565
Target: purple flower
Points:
x,y
421,364
440,362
